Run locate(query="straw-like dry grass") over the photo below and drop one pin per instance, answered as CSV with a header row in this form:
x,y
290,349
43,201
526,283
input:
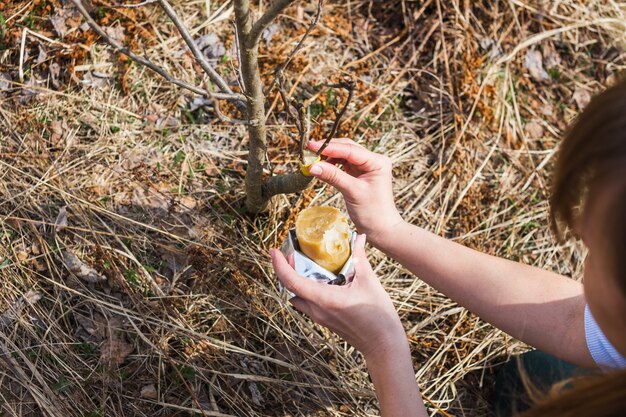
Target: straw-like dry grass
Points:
x,y
184,316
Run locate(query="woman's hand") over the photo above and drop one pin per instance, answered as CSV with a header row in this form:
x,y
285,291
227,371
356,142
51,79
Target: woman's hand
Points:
x,y
365,183
361,311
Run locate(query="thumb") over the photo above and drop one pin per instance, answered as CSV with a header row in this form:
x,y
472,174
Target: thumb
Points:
x,y
334,176
300,286
359,258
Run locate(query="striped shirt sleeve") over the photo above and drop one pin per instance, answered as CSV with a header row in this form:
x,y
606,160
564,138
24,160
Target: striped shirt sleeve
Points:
x,y
602,351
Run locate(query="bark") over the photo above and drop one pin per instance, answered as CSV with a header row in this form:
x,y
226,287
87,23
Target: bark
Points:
x,y
258,190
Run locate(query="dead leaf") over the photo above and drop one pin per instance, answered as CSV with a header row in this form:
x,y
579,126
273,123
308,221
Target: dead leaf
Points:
x,y
116,32
81,269
42,55
115,349
533,130
582,97
5,81
61,221
58,23
149,391
90,80
10,314
551,57
28,94
21,255
188,202
59,136
150,199
534,65
198,102
211,46
55,72
269,32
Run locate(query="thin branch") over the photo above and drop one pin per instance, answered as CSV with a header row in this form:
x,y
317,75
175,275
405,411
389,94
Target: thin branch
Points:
x,y
224,118
264,21
314,22
301,130
147,63
197,53
133,6
285,184
349,86
238,50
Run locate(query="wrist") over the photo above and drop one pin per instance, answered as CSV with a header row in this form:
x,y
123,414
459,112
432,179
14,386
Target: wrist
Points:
x,y
391,346
385,234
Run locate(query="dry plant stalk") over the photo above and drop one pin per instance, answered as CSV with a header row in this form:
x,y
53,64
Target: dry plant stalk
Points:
x,y
251,102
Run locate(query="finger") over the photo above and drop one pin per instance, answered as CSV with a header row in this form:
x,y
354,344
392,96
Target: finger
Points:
x,y
295,283
334,176
301,305
316,144
354,154
335,161
362,266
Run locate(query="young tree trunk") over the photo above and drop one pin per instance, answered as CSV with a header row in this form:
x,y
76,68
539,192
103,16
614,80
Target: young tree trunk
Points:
x,y
258,190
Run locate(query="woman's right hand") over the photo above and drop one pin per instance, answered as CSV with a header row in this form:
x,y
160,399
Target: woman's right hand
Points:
x,y
365,184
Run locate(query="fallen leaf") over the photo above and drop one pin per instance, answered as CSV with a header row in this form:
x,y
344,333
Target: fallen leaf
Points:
x,y
115,349
61,221
116,32
150,199
28,94
42,55
81,269
582,97
188,202
10,314
551,57
211,46
269,32
533,130
21,255
55,72
198,102
5,81
534,65
58,23
149,391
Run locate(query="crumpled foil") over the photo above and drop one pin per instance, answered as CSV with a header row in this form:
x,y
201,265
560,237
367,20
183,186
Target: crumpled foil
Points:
x,y
307,268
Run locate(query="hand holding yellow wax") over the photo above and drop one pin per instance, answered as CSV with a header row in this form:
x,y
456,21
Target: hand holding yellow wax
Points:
x,y
324,236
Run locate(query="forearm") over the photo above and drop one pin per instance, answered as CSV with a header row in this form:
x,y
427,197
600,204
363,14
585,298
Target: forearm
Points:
x,y
394,381
541,308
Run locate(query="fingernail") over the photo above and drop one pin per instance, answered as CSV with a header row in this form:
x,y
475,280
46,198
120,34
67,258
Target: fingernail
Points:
x,y
315,170
272,251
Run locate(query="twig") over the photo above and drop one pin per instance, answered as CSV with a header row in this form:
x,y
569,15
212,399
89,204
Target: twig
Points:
x,y
132,6
197,53
264,21
144,61
22,49
226,119
349,86
314,22
300,123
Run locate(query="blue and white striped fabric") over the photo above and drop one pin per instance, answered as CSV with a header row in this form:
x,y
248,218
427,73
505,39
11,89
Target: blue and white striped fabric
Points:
x,y
602,351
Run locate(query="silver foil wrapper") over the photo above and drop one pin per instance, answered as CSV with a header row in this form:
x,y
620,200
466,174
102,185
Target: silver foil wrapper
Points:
x,y
307,268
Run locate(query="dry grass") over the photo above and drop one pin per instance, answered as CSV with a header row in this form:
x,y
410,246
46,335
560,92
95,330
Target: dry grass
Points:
x,y
184,317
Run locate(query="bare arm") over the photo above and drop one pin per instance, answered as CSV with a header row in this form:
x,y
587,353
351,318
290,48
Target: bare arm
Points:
x,y
541,308
536,306
362,313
